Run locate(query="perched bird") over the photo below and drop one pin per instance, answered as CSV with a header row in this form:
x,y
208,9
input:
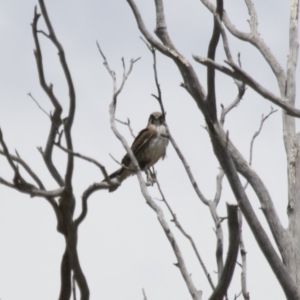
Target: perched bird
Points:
x,y
148,147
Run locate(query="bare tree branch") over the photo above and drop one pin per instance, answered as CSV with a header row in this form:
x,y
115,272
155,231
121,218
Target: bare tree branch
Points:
x,y
19,181
219,187
240,85
244,260
263,119
237,73
212,205
226,110
196,295
33,192
67,201
221,147
87,193
187,169
211,96
72,97
48,89
227,154
30,95
178,225
144,294
191,81
20,161
41,192
173,142
225,279
254,38
89,159
128,125
74,287
219,234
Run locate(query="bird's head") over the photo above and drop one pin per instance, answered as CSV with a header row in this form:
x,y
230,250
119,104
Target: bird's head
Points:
x,y
156,119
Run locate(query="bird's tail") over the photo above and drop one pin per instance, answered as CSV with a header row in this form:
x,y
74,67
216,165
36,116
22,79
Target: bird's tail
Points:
x,y
120,175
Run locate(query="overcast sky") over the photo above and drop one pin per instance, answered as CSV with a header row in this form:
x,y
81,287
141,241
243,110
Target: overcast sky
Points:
x,y
121,245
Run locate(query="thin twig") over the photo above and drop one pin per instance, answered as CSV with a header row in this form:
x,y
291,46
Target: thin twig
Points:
x,y
241,86
178,225
255,135
30,95
263,119
89,159
19,181
144,294
26,167
128,125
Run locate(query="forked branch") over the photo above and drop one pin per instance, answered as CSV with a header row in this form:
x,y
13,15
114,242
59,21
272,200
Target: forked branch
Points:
x,y
237,73
188,236
196,295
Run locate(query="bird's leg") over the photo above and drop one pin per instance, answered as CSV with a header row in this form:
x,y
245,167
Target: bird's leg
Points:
x,y
151,176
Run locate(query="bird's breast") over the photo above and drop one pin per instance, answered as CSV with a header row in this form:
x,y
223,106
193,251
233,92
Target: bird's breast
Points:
x,y
158,144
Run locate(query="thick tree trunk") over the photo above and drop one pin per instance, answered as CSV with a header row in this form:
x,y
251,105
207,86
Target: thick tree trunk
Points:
x,y
292,147
65,274
293,248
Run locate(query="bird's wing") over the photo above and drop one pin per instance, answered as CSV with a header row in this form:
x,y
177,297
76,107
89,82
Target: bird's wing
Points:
x,y
139,144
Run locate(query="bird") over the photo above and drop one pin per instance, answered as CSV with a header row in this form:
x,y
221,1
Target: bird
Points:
x,y
148,147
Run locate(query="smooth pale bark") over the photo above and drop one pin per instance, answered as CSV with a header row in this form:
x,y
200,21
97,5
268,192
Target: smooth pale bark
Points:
x,y
229,158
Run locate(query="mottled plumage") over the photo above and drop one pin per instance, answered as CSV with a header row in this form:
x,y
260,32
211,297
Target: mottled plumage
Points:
x,y
148,147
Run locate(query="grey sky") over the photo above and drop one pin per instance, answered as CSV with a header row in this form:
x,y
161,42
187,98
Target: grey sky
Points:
x,y
122,247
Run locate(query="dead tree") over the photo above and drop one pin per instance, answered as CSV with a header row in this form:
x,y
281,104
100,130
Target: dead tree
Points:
x,y
62,199
286,266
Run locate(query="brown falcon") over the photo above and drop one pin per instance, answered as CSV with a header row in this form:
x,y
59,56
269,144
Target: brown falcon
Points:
x,y
148,147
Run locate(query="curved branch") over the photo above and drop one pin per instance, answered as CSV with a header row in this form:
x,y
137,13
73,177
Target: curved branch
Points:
x,y
72,97
224,150
89,159
211,91
20,161
231,162
87,193
178,225
196,295
187,169
253,38
48,89
240,85
238,73
161,26
191,82
233,250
